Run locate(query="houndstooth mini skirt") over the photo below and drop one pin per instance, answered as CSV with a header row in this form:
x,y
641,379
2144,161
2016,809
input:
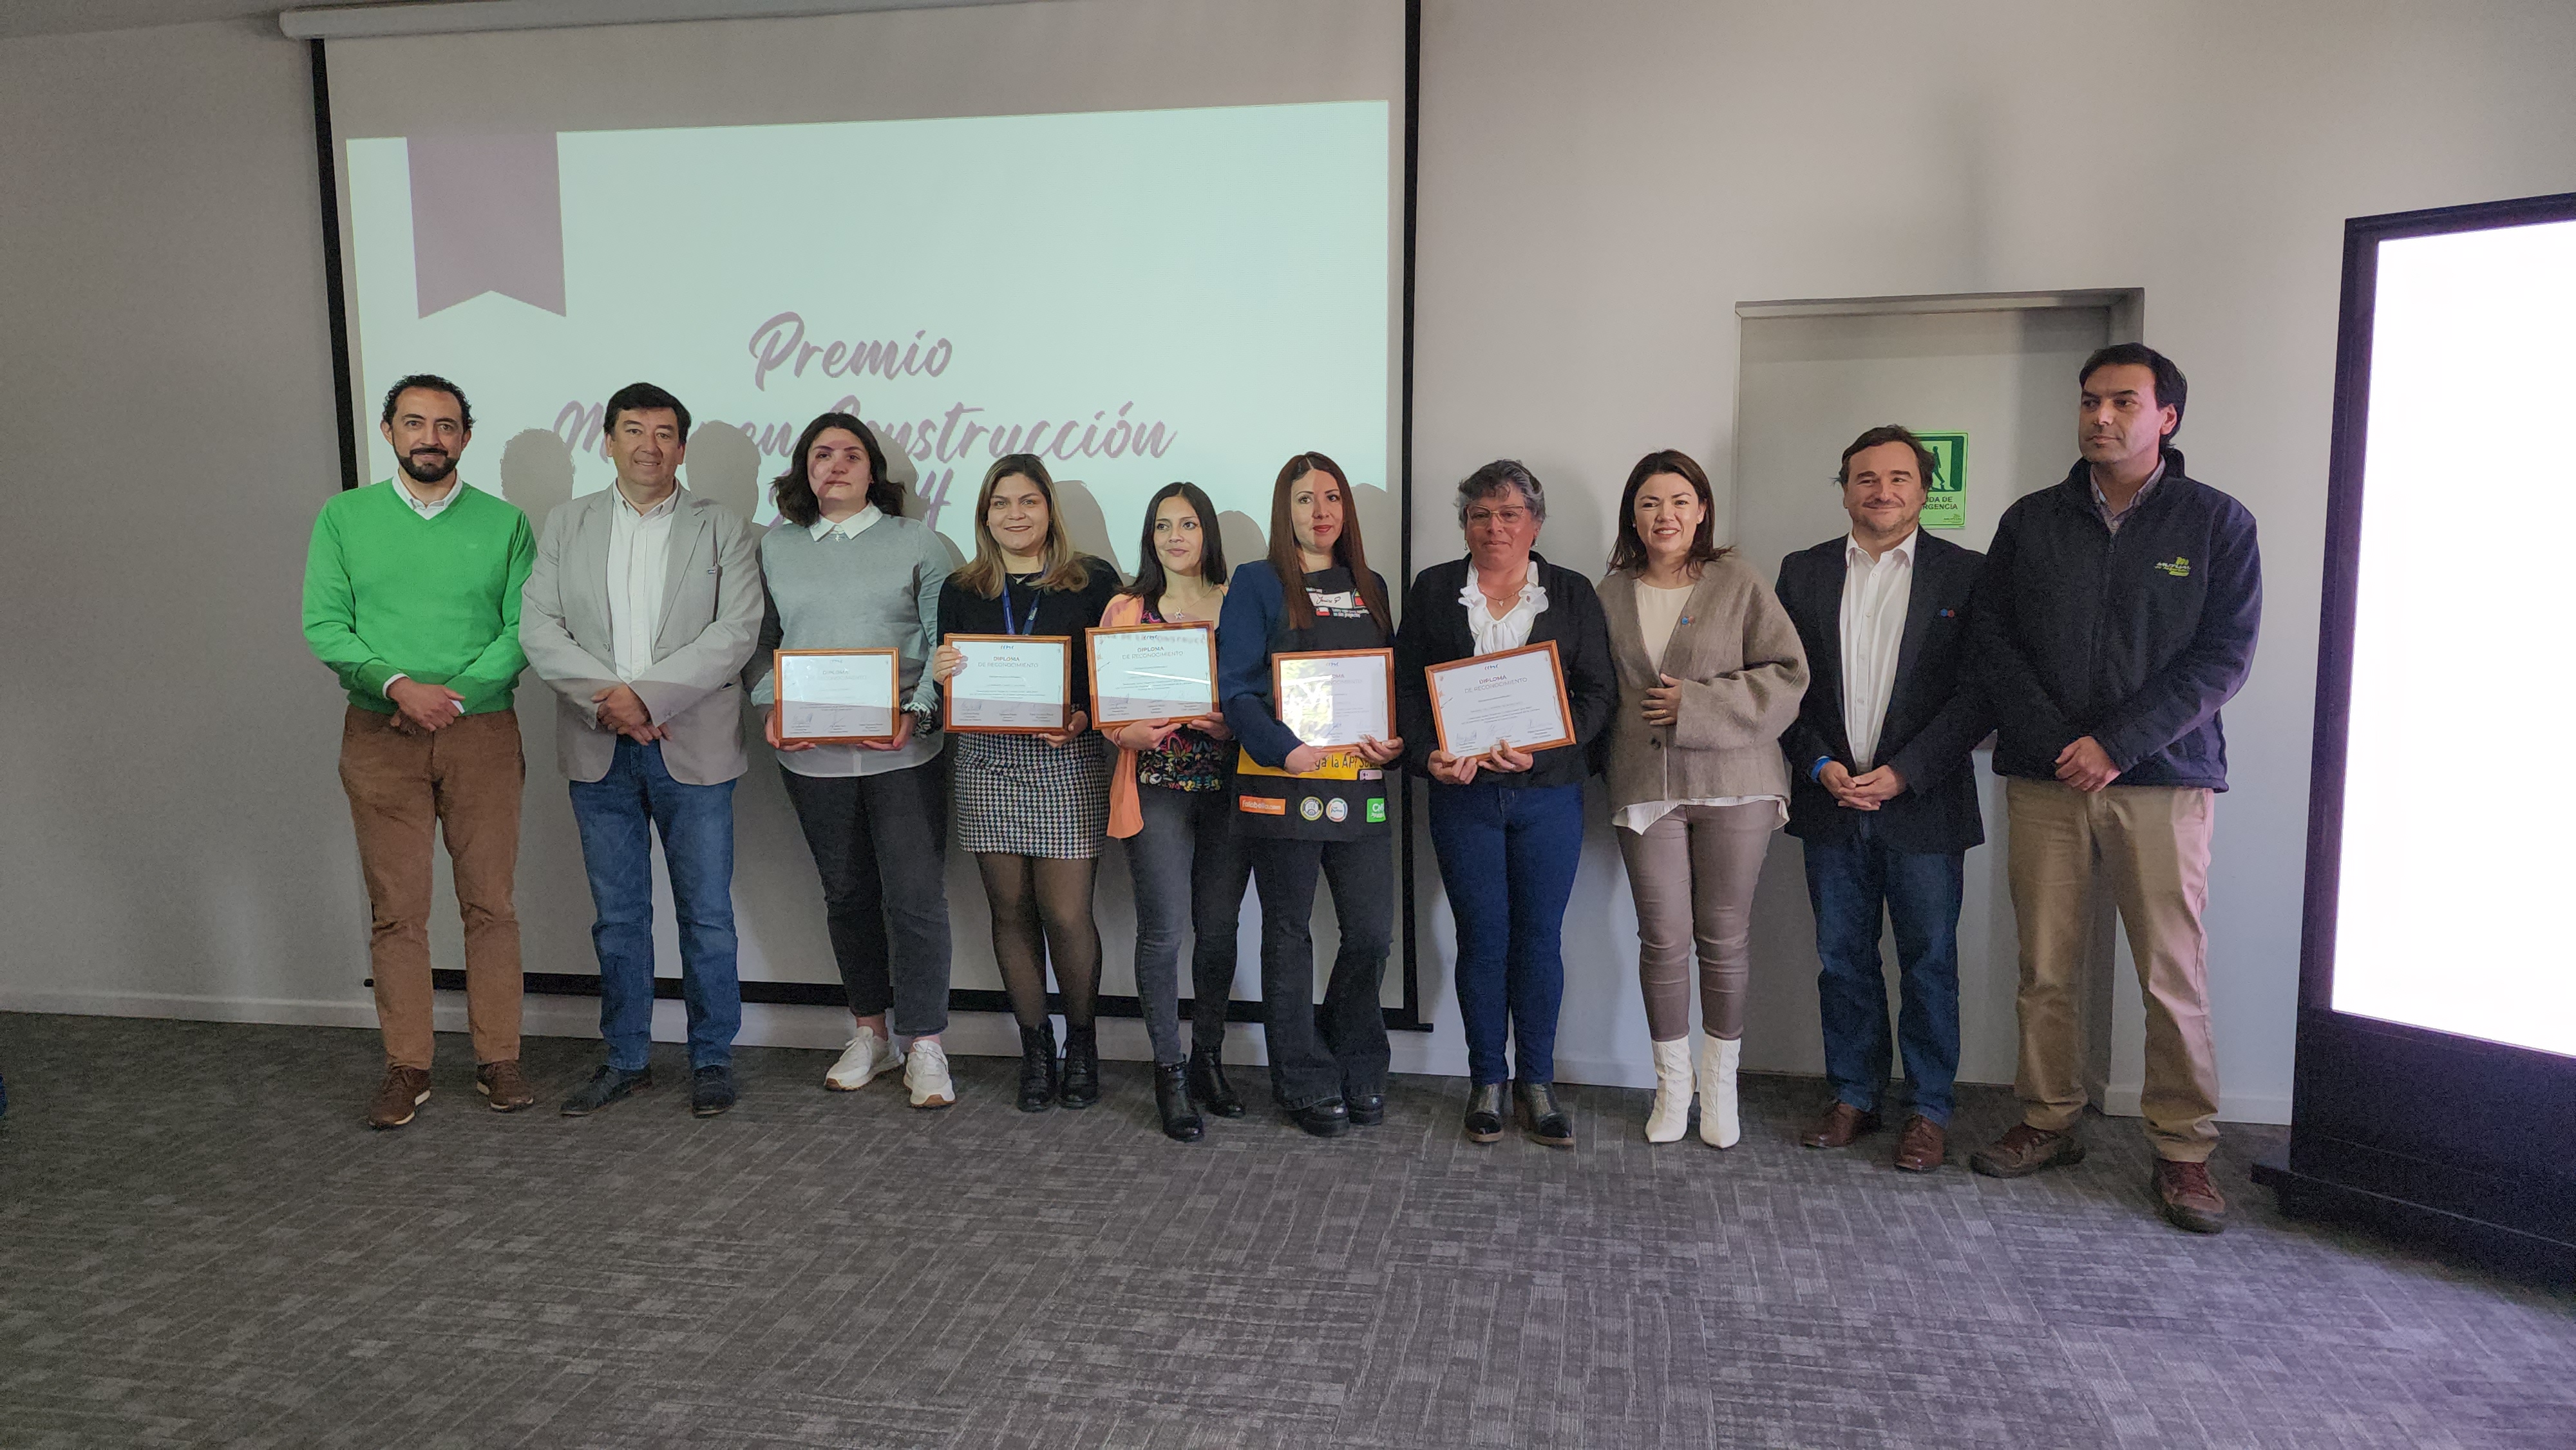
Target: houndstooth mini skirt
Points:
x,y
1019,795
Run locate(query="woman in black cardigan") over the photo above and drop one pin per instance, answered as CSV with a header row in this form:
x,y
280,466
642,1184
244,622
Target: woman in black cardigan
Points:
x,y
1507,825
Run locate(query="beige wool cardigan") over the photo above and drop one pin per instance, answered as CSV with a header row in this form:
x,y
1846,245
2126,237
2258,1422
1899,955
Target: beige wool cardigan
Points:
x,y
1742,672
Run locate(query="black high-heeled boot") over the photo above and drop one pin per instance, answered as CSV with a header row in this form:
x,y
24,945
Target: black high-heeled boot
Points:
x,y
1208,1087
1081,1067
1172,1100
1038,1082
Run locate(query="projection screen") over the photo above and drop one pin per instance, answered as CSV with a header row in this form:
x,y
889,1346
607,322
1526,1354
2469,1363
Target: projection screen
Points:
x,y
1148,240
2451,914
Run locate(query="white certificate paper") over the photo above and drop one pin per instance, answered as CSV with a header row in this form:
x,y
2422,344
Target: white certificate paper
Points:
x,y
1009,684
1152,674
1333,700
1516,697
836,696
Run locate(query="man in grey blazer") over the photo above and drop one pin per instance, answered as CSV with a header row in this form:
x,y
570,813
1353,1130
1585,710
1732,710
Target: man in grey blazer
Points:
x,y
641,611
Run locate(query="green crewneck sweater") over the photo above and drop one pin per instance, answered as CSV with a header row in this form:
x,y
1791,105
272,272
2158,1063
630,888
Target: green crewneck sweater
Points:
x,y
387,592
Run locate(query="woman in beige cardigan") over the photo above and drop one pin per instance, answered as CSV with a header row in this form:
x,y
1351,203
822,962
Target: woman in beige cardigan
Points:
x,y
1710,672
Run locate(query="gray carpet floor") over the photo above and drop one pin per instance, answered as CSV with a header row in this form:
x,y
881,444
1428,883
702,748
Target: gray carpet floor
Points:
x,y
200,1245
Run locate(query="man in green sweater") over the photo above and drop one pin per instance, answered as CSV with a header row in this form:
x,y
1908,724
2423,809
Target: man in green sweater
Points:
x,y
411,596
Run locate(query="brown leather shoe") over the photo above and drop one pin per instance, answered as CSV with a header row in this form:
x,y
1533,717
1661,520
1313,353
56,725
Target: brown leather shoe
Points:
x,y
404,1089
2025,1150
2189,1200
1839,1127
1923,1147
505,1085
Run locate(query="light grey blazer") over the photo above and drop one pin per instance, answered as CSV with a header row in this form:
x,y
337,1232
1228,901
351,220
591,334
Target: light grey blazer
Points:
x,y
711,607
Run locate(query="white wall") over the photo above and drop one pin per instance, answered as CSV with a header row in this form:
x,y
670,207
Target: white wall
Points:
x,y
1601,183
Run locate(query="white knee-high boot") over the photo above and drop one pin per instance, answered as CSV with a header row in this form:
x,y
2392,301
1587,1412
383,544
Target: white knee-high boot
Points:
x,y
1671,1115
1719,1125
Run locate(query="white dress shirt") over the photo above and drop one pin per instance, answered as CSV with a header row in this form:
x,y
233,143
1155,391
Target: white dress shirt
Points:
x,y
639,563
427,508
1510,629
1875,595
845,761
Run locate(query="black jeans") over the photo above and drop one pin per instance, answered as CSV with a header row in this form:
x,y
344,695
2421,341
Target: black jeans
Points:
x,y
880,844
1190,872
1337,1048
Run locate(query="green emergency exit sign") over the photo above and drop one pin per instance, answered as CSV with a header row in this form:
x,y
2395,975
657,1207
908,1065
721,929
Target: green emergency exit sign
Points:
x,y
1945,494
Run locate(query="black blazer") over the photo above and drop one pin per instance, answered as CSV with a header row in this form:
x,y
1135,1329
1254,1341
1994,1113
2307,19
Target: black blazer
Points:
x,y
1435,631
1935,715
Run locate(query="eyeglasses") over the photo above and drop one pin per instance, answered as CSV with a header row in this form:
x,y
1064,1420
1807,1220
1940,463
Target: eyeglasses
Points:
x,y
1508,518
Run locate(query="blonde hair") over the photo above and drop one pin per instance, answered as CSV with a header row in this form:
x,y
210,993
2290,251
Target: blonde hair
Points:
x,y
1061,567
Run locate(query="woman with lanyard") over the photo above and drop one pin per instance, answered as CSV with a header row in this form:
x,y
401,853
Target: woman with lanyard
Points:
x,y
1306,811
1031,807
1710,672
1507,824
1170,801
846,570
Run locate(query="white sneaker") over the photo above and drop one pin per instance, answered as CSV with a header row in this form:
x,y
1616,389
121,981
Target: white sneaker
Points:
x,y
925,1074
861,1061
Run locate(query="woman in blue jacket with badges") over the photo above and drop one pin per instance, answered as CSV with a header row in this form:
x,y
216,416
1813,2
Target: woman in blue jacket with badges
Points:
x,y
1305,811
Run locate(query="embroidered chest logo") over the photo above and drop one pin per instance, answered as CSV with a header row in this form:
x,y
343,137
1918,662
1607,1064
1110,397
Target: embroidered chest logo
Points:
x,y
2180,568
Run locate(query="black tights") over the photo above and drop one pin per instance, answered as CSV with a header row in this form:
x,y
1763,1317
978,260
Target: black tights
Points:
x,y
1041,914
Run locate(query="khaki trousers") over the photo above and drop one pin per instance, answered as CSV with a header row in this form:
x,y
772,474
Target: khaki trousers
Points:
x,y
2150,846
403,788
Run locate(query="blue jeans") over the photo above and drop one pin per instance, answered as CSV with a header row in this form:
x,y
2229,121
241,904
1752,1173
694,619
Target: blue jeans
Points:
x,y
618,815
1847,883
1507,858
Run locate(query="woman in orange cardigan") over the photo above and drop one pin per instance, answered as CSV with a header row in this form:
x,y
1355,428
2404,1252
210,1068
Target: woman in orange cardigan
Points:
x,y
1169,799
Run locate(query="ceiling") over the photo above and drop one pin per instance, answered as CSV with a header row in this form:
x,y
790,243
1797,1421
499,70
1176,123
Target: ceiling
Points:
x,y
65,17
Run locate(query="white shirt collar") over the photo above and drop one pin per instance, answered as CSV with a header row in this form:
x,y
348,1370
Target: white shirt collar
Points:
x,y
427,508
670,501
1853,553
849,528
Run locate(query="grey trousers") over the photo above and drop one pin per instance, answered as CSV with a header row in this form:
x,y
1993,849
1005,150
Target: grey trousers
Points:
x,y
1693,873
1190,874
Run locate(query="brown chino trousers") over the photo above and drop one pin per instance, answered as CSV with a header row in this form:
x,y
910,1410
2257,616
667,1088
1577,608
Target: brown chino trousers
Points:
x,y
403,788
2150,845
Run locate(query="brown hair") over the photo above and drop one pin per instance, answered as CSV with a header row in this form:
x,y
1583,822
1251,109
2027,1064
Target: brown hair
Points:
x,y
1062,567
1629,552
1925,464
794,490
1347,549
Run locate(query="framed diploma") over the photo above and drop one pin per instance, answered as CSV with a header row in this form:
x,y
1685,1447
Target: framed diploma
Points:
x,y
1152,672
1512,697
837,696
1013,684
1334,698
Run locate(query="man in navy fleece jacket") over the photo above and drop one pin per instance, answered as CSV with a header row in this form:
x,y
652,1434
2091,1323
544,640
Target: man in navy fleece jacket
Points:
x,y
2117,611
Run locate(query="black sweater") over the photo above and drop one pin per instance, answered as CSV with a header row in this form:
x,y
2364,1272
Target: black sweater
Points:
x,y
1435,632
2134,638
1059,611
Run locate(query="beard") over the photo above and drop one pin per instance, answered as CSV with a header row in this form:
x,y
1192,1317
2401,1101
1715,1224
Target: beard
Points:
x,y
428,465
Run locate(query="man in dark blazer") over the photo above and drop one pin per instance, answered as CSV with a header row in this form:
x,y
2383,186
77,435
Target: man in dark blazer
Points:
x,y
1882,791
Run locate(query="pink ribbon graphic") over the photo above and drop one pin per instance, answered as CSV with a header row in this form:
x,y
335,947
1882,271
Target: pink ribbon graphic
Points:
x,y
487,216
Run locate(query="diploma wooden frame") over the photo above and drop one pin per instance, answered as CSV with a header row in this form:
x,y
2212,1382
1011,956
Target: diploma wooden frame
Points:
x,y
893,662
948,720
1102,718
1386,657
1432,675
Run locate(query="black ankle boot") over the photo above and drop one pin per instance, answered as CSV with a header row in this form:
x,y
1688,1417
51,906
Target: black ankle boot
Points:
x,y
1542,1118
1172,1100
1081,1066
1037,1068
1208,1087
